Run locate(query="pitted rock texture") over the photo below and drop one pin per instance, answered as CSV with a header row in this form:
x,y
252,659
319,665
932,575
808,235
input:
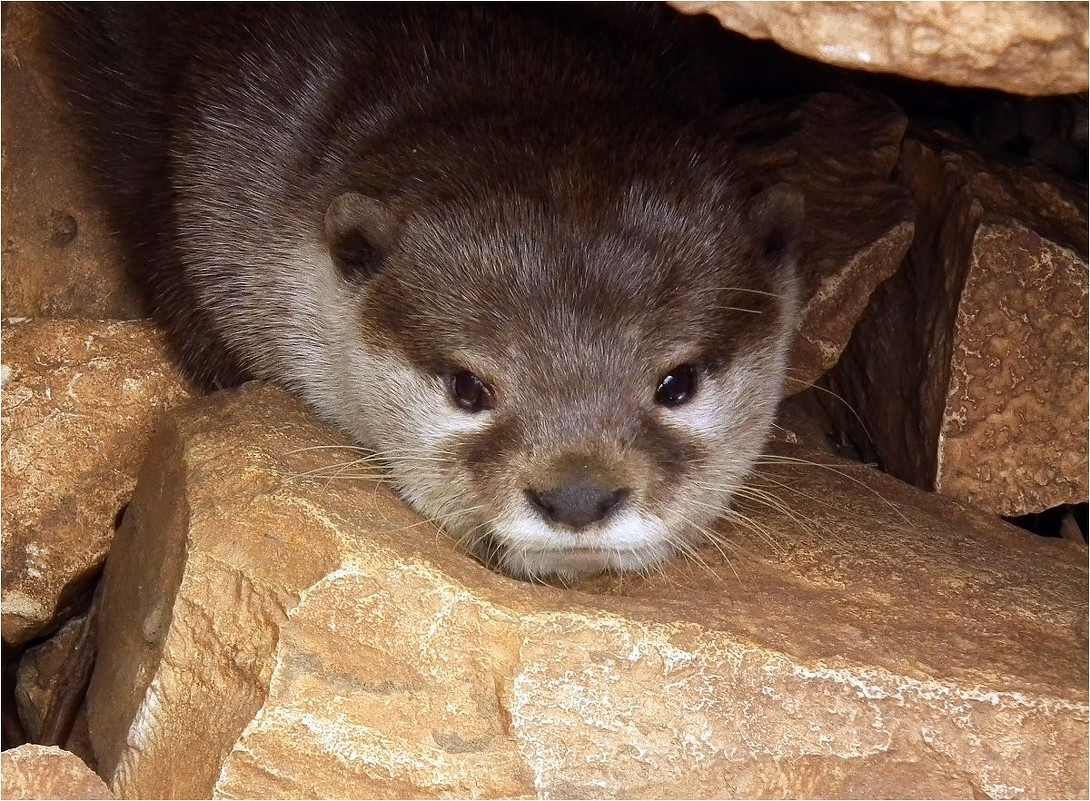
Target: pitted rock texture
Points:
x,y
1014,427
79,401
39,771
968,372
276,623
1022,48
841,152
60,256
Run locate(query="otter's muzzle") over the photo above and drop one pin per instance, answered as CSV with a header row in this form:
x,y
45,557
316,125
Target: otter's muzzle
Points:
x,y
577,494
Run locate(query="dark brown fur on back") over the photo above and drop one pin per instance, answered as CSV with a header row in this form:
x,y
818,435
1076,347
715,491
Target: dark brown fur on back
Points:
x,y
302,101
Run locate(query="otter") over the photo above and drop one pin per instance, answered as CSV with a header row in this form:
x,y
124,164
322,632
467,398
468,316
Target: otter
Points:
x,y
508,248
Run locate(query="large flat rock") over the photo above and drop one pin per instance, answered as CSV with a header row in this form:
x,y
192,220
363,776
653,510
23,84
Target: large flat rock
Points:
x,y
39,771
276,623
80,399
1023,48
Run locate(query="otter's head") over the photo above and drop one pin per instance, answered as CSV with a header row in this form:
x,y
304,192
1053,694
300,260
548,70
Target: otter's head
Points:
x,y
566,386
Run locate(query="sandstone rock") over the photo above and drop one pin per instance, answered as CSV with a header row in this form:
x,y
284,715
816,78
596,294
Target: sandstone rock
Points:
x,y
968,374
1023,48
79,402
60,258
840,152
38,771
1014,425
277,624
40,676
45,686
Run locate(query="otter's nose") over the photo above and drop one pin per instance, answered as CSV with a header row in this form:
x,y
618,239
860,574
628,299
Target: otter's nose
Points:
x,y
577,504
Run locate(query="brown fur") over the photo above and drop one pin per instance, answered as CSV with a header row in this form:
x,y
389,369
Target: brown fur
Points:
x,y
362,202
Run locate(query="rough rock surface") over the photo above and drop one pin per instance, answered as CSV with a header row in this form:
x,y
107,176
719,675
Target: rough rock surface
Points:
x,y
43,679
968,373
1019,47
41,670
853,238
276,623
39,771
79,401
1014,426
60,259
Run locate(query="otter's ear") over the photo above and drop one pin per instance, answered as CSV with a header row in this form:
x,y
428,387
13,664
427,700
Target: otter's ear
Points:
x,y
359,232
775,223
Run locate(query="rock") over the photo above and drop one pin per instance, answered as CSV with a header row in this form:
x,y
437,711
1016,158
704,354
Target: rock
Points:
x,y
968,374
1022,48
39,771
840,152
60,256
79,401
276,623
46,682
41,676
1014,427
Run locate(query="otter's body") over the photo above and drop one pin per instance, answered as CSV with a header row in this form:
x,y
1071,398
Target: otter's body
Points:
x,y
502,246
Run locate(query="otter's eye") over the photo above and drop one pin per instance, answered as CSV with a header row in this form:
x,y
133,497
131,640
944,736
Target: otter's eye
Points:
x,y
471,393
677,387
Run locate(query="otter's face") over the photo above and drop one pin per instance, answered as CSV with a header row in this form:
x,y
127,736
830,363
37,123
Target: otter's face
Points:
x,y
567,397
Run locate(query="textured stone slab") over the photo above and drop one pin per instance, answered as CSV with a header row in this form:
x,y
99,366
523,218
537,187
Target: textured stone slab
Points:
x,y
969,371
38,771
61,258
41,675
79,401
1014,426
1023,48
46,687
275,623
